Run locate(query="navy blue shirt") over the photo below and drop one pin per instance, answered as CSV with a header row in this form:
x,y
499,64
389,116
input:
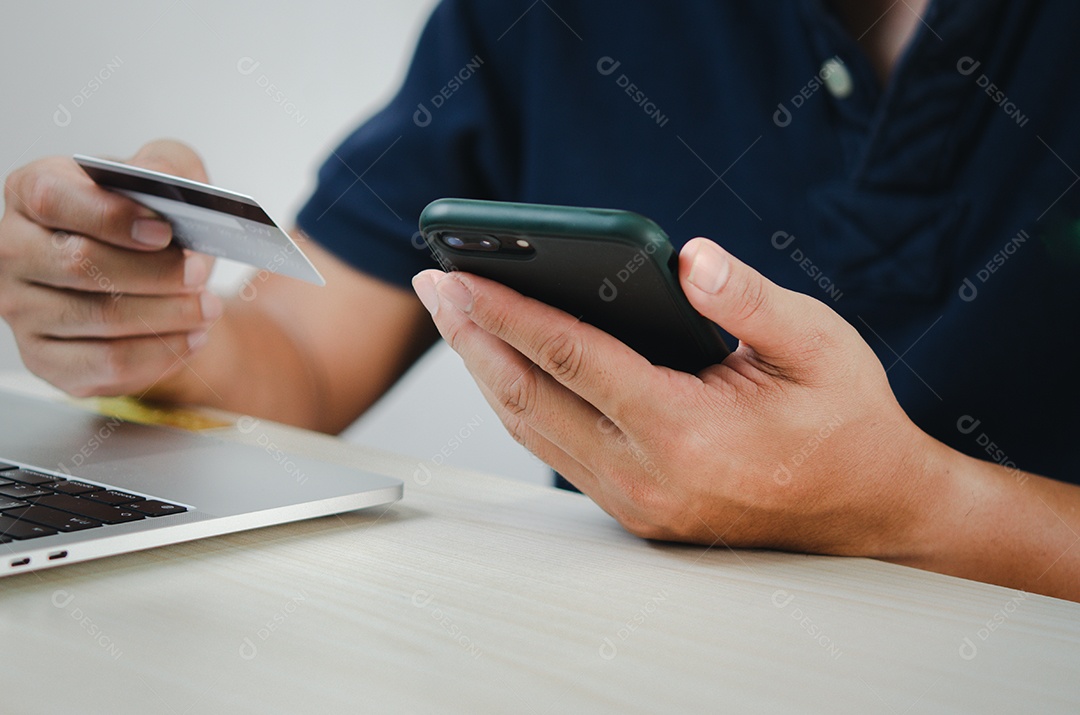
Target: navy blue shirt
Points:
x,y
939,214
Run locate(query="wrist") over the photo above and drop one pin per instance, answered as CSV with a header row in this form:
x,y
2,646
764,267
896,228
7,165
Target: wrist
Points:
x,y
936,478
195,374
953,511
978,520
249,364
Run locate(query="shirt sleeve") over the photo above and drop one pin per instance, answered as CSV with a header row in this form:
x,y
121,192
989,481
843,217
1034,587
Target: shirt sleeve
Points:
x,y
441,135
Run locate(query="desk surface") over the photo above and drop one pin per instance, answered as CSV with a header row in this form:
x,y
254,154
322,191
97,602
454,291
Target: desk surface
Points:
x,y
481,594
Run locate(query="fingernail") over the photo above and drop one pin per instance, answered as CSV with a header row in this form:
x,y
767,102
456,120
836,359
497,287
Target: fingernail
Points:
x,y
709,270
196,270
454,291
425,291
151,232
196,340
212,307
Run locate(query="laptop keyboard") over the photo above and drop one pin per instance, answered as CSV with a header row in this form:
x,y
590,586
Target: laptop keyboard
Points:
x,y
33,504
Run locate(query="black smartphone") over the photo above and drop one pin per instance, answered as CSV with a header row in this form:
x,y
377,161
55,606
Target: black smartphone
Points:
x,y
615,270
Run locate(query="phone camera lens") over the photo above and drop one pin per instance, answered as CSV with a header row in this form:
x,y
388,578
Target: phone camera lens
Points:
x,y
472,243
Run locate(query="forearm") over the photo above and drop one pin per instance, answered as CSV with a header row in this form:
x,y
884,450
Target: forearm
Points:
x,y
310,356
1002,526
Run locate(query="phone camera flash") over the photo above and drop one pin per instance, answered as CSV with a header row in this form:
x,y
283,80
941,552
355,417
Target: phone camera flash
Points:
x,y
522,243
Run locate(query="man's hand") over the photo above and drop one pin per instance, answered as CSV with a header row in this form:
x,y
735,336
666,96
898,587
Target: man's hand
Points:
x,y
99,300
102,303
794,442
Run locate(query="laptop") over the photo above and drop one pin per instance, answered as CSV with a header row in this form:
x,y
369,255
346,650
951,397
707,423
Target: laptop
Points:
x,y
76,485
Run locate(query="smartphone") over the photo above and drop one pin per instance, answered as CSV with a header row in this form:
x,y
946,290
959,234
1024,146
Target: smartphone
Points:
x,y
615,270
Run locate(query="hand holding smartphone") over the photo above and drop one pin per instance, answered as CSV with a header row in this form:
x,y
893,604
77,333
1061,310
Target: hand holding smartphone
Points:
x,y
615,270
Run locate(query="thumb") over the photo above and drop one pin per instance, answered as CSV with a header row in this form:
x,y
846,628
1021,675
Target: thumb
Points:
x,y
170,157
774,321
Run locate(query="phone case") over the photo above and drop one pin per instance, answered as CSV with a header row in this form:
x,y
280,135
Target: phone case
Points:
x,y
615,270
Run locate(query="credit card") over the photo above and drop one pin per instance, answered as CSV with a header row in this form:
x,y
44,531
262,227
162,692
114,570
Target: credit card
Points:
x,y
206,218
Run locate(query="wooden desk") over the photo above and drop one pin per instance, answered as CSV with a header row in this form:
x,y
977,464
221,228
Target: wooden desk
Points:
x,y
481,594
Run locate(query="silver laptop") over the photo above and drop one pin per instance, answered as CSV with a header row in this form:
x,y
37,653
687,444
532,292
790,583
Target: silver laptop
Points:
x,y
75,485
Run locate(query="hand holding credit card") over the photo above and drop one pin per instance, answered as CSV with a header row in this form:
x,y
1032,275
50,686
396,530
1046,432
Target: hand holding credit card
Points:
x,y
206,218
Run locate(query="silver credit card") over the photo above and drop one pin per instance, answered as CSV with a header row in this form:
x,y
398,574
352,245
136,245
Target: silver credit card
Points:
x,y
207,219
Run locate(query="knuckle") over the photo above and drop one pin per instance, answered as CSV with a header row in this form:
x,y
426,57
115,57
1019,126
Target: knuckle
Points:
x,y
30,352
651,513
115,364
641,527
9,302
563,356
104,217
517,398
71,313
752,300
453,335
42,194
106,312
8,250
73,257
58,373
80,390
650,500
11,184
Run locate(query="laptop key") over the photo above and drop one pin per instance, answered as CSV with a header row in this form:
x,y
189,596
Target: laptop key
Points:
x,y
112,497
22,491
9,503
28,477
53,519
89,509
6,465
74,488
16,529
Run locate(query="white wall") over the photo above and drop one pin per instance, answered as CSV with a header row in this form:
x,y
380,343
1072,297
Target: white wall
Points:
x,y
128,71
